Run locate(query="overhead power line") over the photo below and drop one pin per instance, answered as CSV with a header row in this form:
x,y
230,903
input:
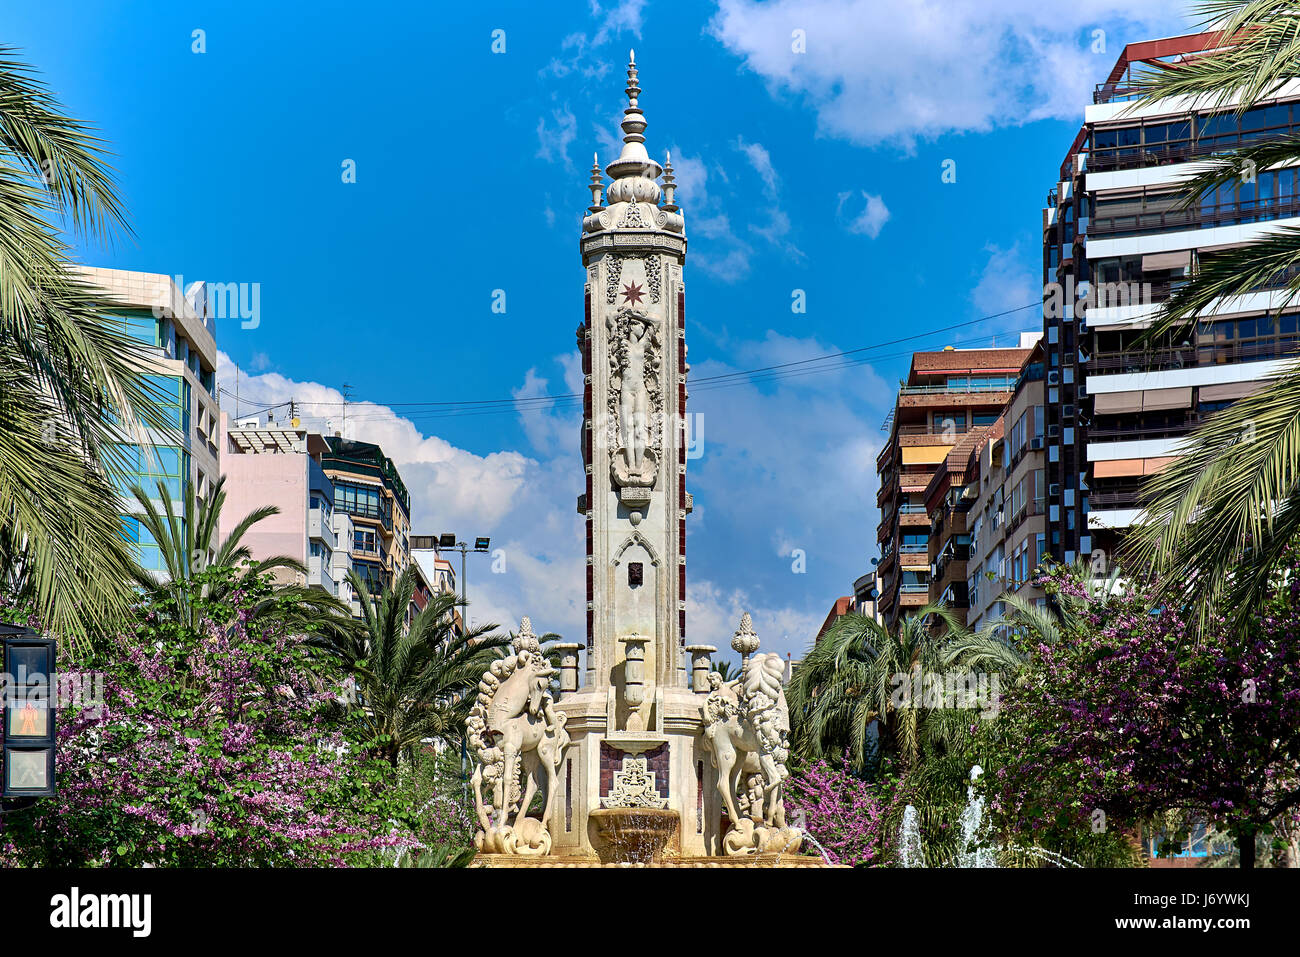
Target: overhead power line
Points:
x,y
830,362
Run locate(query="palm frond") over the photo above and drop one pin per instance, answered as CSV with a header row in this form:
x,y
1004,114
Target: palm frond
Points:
x,y
1219,515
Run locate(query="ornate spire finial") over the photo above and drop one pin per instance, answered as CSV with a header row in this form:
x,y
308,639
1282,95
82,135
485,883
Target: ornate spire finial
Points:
x,y
634,172
596,186
745,641
670,183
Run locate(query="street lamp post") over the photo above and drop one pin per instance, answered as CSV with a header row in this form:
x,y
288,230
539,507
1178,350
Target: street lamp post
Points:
x,y
481,545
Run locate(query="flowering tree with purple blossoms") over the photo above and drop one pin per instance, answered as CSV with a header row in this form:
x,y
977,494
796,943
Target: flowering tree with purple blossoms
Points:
x,y
222,744
1133,713
843,811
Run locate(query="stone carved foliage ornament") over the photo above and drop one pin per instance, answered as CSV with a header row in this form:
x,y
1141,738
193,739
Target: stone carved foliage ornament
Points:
x,y
614,277
746,730
613,272
517,741
634,786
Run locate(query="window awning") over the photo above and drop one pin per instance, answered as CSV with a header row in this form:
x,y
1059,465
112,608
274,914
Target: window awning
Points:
x,y
1117,468
1182,259
1113,403
1156,399
1229,391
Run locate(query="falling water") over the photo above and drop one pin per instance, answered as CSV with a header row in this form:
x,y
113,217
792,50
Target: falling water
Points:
x,y
801,832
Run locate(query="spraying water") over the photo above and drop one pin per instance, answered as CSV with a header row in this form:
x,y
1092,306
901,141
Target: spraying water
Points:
x,y
975,849
909,840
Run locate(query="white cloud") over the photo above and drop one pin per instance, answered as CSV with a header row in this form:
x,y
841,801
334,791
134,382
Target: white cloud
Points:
x,y
788,462
761,160
619,17
578,51
895,72
727,256
1006,283
870,220
553,140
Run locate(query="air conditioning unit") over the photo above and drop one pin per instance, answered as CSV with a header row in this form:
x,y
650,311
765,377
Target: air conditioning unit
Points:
x,y
1053,431
1053,490
1054,378
1067,412
1036,443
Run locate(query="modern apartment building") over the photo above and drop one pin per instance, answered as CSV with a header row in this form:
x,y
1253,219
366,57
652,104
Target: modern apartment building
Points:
x,y
1115,243
948,499
270,464
866,595
369,489
1007,519
839,608
179,329
947,395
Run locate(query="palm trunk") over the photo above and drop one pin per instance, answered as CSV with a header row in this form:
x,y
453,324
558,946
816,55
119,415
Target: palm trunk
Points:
x,y
1246,848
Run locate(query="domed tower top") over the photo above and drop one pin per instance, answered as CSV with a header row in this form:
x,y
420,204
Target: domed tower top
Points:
x,y
634,196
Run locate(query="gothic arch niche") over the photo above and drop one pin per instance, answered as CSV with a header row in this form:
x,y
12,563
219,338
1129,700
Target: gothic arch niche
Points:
x,y
635,592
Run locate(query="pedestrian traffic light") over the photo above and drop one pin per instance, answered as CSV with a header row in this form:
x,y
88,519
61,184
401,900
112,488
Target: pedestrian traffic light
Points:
x,y
27,726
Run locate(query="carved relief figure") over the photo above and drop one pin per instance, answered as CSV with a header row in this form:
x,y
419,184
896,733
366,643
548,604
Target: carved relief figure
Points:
x,y
634,397
514,730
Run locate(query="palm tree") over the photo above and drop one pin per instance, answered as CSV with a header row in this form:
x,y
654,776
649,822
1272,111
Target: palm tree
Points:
x,y
1219,516
726,668
851,678
417,683
189,548
71,386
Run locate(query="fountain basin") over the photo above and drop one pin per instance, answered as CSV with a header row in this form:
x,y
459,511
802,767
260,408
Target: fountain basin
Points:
x,y
633,835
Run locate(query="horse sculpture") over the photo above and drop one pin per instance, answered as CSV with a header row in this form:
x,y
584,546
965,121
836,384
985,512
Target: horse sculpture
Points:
x,y
515,728
746,730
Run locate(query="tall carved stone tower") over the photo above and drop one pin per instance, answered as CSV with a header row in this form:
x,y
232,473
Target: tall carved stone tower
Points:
x,y
634,356
636,719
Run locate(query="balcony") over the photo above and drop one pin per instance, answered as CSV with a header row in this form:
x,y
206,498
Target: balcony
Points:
x,y
1196,217
1224,352
320,575
1115,93
1109,159
1169,429
381,513
950,390
914,559
320,530
956,428
1125,498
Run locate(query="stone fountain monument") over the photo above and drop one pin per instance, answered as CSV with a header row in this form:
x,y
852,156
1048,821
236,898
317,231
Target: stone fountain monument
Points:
x,y
638,761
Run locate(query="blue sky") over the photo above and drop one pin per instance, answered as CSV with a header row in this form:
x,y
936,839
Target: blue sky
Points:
x,y
818,170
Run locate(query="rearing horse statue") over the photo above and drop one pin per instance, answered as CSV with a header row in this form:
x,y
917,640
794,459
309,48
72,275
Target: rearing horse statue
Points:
x,y
746,730
514,725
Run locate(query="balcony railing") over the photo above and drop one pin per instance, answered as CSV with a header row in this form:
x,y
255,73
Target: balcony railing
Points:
x,y
1122,499
1196,217
1114,93
1142,360
1186,357
956,428
955,389
1180,151
1164,430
